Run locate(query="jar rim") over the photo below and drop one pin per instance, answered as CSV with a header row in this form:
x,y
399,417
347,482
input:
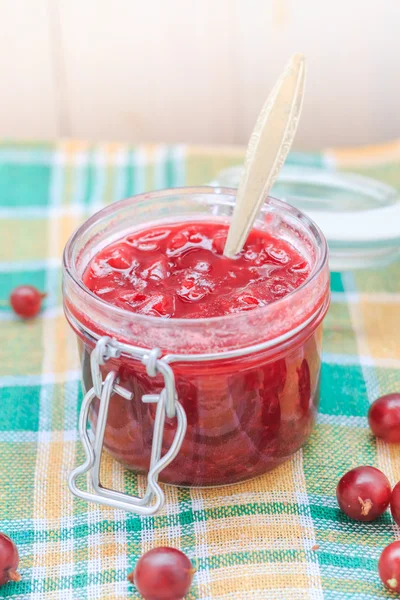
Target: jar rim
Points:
x,y
283,207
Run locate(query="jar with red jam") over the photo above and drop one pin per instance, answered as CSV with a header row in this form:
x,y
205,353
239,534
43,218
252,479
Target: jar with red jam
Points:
x,y
198,369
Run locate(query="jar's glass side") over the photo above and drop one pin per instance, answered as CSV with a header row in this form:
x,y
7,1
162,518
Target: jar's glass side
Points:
x,y
244,417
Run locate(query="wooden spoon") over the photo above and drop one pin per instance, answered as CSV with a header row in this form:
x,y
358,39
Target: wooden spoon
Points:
x,y
267,150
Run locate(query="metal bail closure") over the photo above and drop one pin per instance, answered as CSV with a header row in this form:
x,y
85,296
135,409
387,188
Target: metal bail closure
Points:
x,y
167,405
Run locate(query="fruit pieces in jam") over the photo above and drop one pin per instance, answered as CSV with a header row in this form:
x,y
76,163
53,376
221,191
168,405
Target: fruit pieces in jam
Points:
x,y
179,271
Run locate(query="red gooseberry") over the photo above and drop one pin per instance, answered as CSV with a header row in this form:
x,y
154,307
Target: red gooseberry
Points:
x,y
389,567
9,560
384,418
163,574
395,503
363,493
26,301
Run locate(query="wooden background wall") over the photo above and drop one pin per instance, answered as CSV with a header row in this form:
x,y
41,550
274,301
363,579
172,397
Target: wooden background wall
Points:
x,y
196,70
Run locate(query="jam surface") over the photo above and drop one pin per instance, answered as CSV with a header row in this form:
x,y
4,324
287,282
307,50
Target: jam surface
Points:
x,y
179,271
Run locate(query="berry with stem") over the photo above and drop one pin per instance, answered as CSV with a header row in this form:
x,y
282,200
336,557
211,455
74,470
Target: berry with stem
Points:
x,y
364,493
389,567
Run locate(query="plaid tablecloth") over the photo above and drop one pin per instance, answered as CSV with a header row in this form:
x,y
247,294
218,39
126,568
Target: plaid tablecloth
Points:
x,y
277,537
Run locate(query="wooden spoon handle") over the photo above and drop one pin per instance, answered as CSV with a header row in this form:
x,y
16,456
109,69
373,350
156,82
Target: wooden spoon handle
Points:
x,y
267,150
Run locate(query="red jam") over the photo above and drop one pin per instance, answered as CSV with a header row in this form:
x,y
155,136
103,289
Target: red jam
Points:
x,y
179,271
245,415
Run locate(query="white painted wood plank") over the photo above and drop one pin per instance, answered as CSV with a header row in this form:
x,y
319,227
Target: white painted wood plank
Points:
x,y
353,49
196,70
27,98
149,70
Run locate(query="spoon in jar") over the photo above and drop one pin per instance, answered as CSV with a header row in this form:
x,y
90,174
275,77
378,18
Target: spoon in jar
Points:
x,y
267,150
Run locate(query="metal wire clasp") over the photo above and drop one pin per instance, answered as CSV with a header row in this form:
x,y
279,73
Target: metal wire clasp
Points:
x,y
167,405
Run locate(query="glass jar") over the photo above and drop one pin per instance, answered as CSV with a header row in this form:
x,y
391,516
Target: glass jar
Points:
x,y
248,383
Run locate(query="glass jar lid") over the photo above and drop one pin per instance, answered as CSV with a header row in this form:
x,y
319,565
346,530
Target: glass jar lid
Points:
x,y
359,216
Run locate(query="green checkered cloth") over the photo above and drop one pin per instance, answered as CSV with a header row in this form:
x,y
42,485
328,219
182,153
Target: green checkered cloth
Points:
x,y
280,536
